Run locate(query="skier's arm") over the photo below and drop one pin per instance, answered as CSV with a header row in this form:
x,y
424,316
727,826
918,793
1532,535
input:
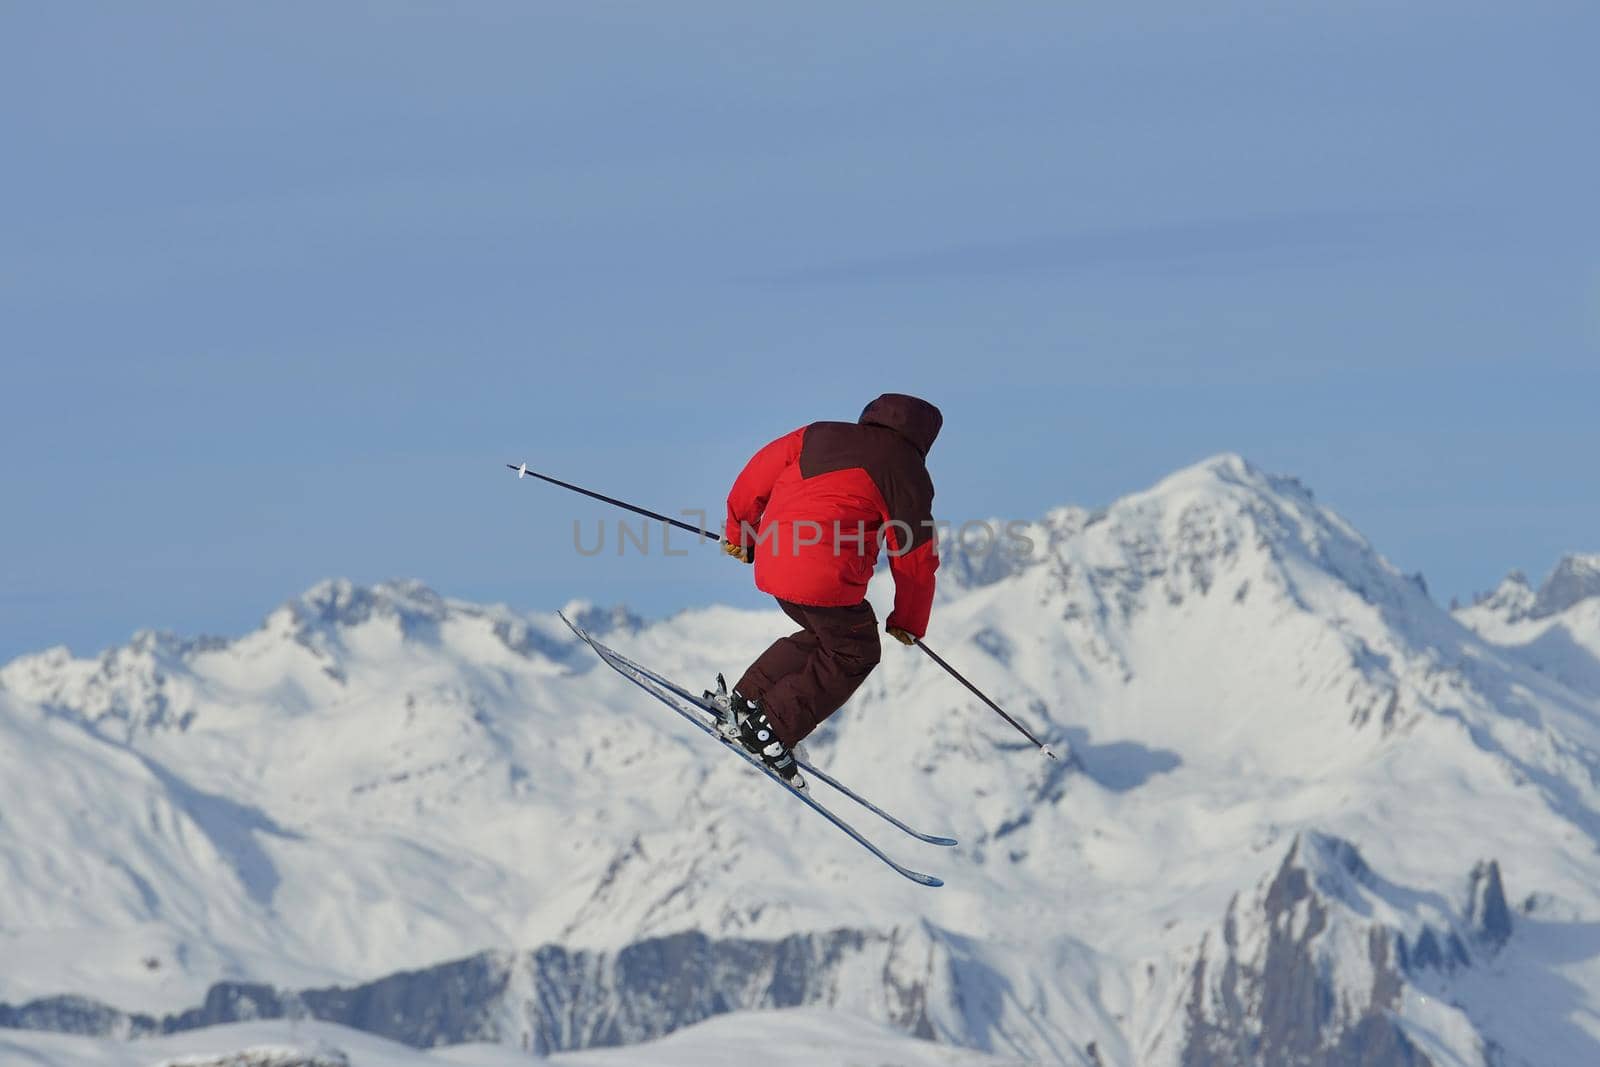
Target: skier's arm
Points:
x,y
748,497
913,588
913,553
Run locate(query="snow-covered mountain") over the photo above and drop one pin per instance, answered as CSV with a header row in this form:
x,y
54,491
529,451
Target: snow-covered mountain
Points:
x,y
1308,817
1556,629
791,1038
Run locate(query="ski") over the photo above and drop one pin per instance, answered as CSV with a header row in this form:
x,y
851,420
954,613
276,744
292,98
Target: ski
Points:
x,y
670,697
821,775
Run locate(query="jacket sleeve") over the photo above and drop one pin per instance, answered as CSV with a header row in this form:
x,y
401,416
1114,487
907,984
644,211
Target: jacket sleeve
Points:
x,y
913,588
748,497
913,553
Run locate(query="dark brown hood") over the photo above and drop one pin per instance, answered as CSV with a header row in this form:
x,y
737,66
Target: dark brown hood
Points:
x,y
916,420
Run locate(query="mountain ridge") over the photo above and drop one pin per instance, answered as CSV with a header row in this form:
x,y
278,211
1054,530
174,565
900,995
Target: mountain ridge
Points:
x,y
381,778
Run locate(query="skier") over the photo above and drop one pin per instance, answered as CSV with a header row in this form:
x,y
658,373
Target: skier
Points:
x,y
811,510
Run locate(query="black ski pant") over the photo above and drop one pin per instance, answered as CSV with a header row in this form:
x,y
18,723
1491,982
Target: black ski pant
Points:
x,y
807,676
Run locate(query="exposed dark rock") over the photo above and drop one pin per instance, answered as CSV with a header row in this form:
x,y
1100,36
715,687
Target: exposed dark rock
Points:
x,y
73,1015
1432,952
1275,1003
1488,915
558,999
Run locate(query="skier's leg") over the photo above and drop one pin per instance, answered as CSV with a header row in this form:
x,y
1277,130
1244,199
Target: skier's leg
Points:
x,y
756,731
785,656
846,651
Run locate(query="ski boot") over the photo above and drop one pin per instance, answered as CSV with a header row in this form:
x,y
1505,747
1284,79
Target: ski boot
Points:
x,y
743,722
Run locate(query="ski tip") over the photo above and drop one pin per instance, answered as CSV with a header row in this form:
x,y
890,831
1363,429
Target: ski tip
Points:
x,y
947,842
925,879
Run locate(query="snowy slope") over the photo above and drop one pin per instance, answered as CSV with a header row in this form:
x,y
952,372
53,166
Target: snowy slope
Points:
x,y
796,1038
382,779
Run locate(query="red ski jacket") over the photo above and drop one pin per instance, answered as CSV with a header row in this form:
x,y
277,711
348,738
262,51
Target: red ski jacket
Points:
x,y
816,504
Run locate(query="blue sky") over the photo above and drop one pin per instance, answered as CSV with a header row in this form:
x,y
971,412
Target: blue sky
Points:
x,y
282,286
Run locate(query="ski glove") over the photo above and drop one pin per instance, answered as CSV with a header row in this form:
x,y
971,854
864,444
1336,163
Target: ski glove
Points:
x,y
738,552
905,637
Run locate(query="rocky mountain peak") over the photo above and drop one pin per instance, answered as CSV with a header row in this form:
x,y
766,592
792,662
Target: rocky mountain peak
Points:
x,y
341,603
1575,579
1512,600
601,620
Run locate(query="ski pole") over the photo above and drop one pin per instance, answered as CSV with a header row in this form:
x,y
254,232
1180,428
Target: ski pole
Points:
x,y
958,676
523,472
